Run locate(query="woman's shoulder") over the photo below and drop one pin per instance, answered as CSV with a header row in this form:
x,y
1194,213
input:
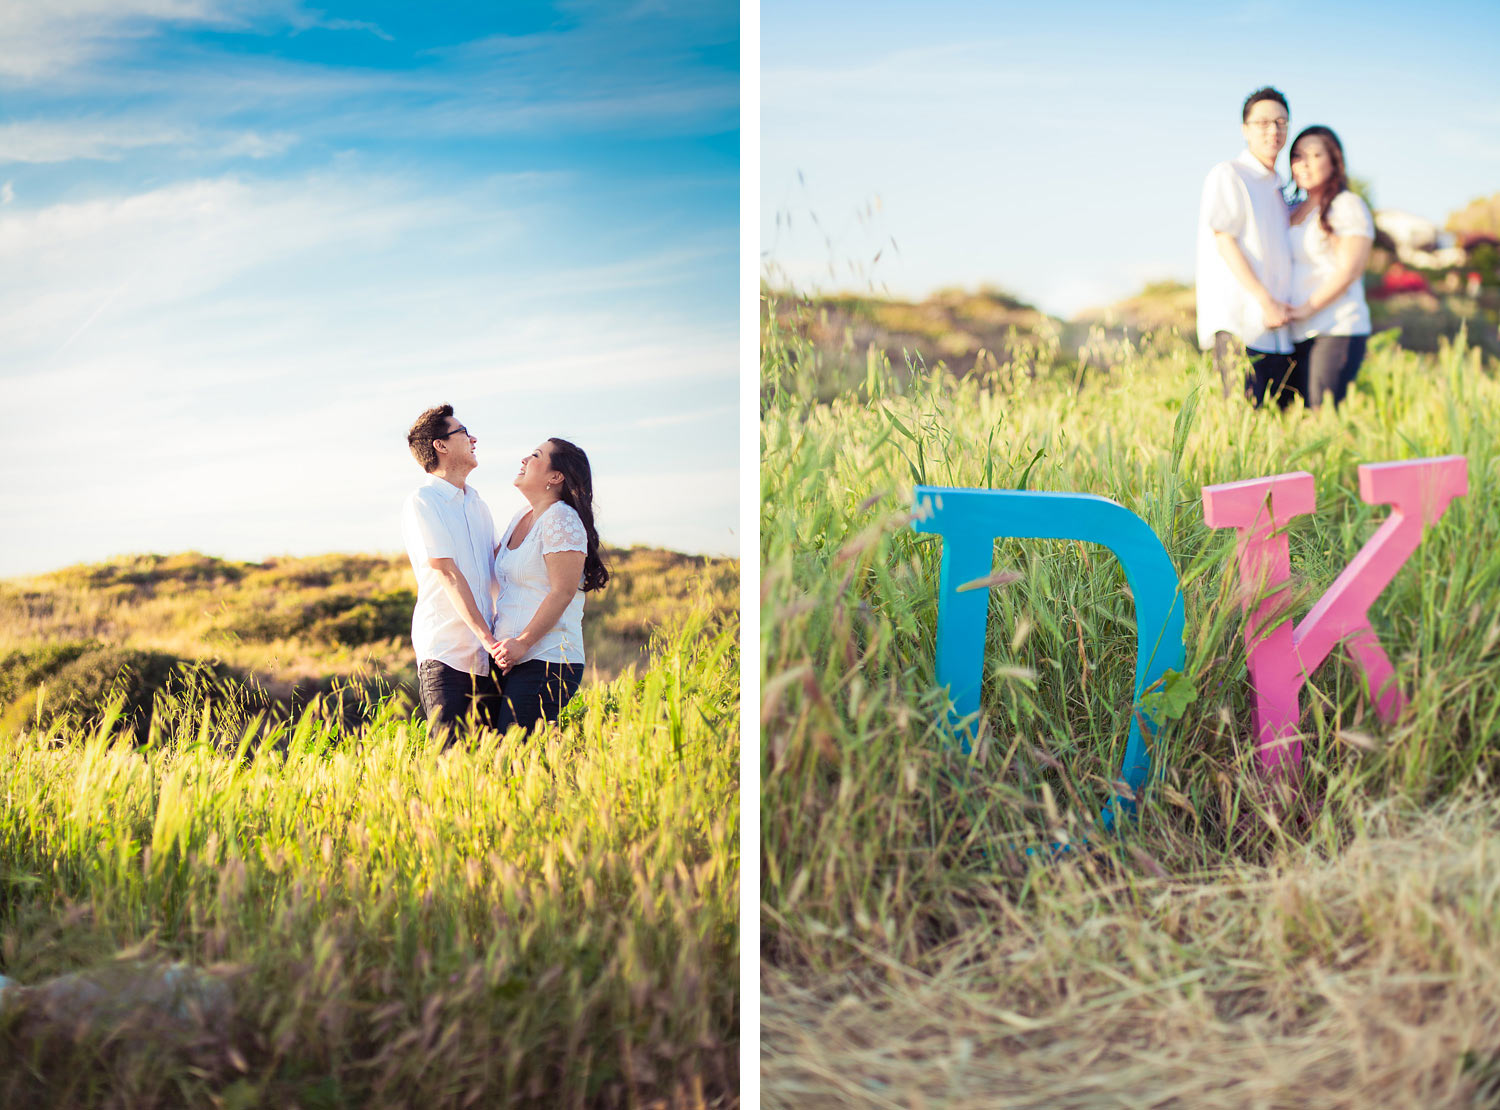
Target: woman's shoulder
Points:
x,y
559,511
1349,201
562,528
1350,215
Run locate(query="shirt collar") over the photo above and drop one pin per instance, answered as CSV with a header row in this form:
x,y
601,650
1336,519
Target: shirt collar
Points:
x,y
447,488
1253,163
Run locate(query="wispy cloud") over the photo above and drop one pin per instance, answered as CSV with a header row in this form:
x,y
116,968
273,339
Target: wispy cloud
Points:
x,y
44,141
40,40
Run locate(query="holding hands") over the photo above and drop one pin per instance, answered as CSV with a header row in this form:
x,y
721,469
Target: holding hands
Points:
x,y
507,652
1277,313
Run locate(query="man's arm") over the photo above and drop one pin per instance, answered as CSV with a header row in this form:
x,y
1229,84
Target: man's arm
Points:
x,y
457,589
1276,312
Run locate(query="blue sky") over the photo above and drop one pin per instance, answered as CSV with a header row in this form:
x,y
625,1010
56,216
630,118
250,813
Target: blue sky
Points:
x,y
1058,150
244,242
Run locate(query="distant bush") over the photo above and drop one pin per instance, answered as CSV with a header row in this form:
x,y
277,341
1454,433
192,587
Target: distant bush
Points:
x,y
343,618
78,692
382,616
22,669
188,569
1479,216
318,572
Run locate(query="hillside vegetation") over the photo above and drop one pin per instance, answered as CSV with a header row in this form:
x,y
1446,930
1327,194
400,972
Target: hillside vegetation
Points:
x,y
1328,941
283,632
859,337
220,889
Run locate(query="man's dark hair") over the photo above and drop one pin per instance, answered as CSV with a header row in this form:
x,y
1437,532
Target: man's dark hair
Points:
x,y
1257,96
429,426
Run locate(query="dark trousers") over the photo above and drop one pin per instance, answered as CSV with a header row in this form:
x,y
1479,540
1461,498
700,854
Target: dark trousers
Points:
x,y
1325,366
536,690
1269,373
452,698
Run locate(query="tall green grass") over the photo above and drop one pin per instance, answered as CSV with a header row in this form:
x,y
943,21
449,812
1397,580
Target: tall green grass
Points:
x,y
890,857
547,921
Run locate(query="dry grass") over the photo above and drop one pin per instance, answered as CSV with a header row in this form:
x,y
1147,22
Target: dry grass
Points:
x,y
1332,942
1369,979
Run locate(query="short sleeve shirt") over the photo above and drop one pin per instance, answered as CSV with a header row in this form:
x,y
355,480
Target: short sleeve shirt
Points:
x,y
1315,259
524,583
441,521
1242,198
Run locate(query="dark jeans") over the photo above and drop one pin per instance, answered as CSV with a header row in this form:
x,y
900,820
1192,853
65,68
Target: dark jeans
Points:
x,y
1325,366
451,698
534,690
1269,373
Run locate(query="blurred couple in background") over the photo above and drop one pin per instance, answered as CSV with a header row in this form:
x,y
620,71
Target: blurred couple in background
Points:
x,y
1280,266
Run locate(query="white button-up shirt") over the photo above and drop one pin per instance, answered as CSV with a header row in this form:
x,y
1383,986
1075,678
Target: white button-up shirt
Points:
x,y
1244,199
441,521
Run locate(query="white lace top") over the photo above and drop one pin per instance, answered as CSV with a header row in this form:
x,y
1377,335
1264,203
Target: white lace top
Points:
x,y
1315,258
523,583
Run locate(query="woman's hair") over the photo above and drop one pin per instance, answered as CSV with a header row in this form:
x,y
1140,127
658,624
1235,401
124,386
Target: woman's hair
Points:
x,y
578,494
1338,180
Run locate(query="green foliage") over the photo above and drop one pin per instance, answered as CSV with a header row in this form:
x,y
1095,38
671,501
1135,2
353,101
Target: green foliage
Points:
x,y
1169,699
546,920
291,630
384,615
75,685
22,669
876,825
942,927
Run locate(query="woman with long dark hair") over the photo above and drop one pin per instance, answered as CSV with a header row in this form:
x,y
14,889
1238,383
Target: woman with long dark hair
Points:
x,y
1331,234
547,559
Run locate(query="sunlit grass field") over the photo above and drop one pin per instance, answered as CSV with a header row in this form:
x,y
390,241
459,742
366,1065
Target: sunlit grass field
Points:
x,y
1334,941
545,921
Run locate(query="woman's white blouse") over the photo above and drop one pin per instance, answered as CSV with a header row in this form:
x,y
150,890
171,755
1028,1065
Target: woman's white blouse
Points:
x,y
521,577
1315,258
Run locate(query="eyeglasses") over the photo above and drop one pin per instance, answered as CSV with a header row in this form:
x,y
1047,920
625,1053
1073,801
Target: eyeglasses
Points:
x,y
454,432
1265,124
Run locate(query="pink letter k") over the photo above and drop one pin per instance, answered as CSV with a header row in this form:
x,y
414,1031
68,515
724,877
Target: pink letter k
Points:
x,y
1282,657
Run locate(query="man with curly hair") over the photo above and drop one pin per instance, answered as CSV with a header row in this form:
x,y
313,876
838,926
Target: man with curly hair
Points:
x,y
450,539
1245,258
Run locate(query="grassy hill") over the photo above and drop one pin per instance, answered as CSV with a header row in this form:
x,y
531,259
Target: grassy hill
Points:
x,y
996,335
343,914
287,629
1328,941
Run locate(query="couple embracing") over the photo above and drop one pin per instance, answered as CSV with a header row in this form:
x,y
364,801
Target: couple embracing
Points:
x,y
1280,269
498,625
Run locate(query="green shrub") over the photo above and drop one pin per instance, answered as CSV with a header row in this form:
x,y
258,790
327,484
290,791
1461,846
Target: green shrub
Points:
x,y
23,668
382,616
78,692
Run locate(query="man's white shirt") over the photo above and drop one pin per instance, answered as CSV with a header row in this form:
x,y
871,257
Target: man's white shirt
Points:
x,y
1244,199
441,521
